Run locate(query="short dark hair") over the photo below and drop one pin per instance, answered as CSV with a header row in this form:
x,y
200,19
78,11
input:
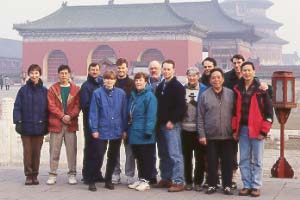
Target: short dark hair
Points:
x,y
238,56
168,61
140,75
64,67
34,67
109,74
121,61
248,63
216,70
94,65
210,59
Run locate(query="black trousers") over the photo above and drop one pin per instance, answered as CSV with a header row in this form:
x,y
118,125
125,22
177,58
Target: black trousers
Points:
x,y
143,154
222,149
95,158
192,148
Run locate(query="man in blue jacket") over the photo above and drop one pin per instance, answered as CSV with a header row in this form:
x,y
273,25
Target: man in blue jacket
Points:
x,y
94,81
170,95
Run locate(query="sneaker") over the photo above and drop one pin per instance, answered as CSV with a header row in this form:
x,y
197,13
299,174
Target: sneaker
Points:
x,y
134,185
198,187
244,192
227,191
176,188
163,184
130,180
255,193
143,186
188,187
233,185
211,190
51,180
72,180
116,179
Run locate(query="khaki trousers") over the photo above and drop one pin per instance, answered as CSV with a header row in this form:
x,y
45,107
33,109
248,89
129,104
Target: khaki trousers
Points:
x,y
70,140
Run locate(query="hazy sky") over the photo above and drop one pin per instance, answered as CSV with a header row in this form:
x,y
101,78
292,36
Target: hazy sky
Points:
x,y
16,11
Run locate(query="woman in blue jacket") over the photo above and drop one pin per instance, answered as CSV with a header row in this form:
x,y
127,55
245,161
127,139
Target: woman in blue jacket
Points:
x,y
108,121
141,109
30,115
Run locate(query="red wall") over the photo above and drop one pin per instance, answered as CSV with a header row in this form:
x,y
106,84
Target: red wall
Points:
x,y
184,53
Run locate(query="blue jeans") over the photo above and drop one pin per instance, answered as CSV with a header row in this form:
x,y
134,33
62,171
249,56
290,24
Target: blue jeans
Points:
x,y
251,159
170,154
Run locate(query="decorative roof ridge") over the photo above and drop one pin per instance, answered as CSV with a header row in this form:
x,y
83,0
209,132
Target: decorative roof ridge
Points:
x,y
63,6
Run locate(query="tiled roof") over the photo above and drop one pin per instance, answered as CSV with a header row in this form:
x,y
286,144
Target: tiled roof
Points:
x,y
127,16
10,48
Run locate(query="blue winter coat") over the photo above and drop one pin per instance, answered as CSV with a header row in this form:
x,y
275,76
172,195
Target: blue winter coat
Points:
x,y
30,109
142,108
108,113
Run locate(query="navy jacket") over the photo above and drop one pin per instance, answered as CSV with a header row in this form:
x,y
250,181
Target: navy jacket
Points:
x,y
108,113
86,92
142,108
30,109
171,101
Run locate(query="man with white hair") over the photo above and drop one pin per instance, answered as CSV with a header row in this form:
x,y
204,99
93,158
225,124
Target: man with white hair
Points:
x,y
155,74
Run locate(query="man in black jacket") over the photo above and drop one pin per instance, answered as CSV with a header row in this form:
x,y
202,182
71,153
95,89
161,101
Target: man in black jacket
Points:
x,y
170,95
94,81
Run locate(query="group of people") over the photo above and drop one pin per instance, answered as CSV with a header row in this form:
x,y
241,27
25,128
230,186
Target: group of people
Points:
x,y
4,81
206,119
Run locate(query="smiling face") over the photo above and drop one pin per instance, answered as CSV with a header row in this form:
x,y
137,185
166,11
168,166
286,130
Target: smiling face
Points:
x,y
248,73
236,64
216,80
208,66
34,76
193,79
122,71
140,83
109,83
168,71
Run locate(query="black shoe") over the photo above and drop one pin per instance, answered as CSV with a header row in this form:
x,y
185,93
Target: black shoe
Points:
x,y
100,179
109,185
92,187
227,191
153,181
211,190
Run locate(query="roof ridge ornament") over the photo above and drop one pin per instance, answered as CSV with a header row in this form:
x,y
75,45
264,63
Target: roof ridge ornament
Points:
x,y
110,2
64,4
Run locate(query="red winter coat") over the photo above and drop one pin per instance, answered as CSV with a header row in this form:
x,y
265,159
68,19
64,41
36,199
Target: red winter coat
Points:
x,y
56,109
260,109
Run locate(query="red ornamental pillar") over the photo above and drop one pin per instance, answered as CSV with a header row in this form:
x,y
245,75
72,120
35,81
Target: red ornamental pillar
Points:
x,y
283,101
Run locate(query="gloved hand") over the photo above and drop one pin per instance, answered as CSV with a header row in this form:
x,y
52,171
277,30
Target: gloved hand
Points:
x,y
19,128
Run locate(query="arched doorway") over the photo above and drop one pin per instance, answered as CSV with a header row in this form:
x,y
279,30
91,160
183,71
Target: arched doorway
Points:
x,y
55,59
105,56
146,57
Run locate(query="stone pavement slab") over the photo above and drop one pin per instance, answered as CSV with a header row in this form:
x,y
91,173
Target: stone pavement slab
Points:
x,y
12,187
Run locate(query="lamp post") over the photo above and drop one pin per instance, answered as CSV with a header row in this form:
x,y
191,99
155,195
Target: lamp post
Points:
x,y
283,101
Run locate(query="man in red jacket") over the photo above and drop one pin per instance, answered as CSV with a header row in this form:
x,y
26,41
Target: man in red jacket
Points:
x,y
64,108
251,124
